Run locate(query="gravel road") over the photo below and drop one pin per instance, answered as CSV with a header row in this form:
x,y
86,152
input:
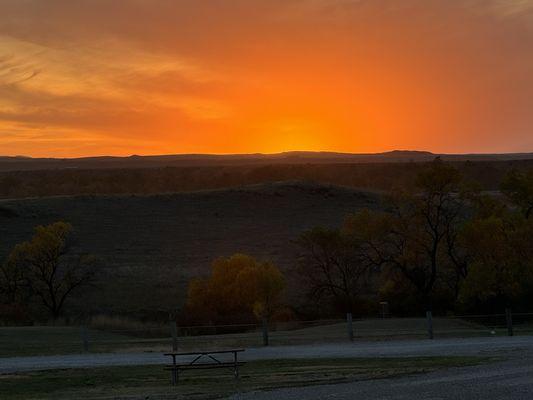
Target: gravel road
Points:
x,y
447,347
509,380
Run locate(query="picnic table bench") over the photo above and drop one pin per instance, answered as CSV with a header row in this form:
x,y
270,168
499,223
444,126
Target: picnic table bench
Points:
x,y
204,360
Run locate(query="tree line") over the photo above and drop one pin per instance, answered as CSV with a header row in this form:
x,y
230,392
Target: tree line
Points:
x,y
445,245
55,182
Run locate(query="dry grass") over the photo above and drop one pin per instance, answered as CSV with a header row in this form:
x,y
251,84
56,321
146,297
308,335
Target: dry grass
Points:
x,y
128,326
153,382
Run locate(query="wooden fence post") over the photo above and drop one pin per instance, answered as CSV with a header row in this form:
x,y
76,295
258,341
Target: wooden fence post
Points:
x,y
174,333
349,323
85,338
265,331
429,318
509,321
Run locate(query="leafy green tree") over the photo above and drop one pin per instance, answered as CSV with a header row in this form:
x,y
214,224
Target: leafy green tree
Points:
x,y
48,269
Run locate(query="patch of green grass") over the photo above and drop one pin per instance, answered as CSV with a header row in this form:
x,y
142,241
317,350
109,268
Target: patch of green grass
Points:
x,y
141,382
50,340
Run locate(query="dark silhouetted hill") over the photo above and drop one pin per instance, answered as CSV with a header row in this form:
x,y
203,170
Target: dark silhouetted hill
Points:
x,y
194,160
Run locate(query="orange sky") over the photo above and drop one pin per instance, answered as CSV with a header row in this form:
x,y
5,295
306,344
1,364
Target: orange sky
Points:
x,y
92,77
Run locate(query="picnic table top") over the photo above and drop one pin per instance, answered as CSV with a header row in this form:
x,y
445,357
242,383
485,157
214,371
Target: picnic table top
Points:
x,y
197,353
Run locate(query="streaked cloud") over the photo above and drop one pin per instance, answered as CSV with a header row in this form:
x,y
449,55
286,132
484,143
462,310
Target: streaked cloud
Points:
x,y
151,76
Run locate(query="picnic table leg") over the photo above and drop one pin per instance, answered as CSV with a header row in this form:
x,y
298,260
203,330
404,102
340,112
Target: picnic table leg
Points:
x,y
236,365
174,372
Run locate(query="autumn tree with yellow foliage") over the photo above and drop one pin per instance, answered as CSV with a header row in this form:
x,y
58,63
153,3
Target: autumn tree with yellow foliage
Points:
x,y
239,288
45,269
500,242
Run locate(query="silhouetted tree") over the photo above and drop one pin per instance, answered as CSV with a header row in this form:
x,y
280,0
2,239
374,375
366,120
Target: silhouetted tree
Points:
x,y
501,248
518,187
12,284
331,266
417,236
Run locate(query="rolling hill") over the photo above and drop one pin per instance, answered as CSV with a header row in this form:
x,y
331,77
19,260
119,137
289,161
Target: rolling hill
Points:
x,y
151,246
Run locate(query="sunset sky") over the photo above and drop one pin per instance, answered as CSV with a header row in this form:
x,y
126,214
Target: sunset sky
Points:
x,y
121,77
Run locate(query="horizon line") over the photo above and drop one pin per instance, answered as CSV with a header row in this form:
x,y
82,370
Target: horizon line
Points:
x,y
257,154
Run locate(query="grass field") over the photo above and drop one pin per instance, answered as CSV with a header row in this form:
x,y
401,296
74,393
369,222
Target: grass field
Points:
x,y
153,382
29,341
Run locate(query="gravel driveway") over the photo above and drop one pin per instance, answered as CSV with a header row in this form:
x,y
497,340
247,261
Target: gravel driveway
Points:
x,y
510,380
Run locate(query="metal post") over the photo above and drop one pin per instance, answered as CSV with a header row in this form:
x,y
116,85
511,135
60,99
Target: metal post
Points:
x,y
85,338
265,331
175,375
509,321
174,333
429,318
349,321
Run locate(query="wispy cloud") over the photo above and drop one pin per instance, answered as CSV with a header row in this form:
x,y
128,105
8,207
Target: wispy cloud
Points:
x,y
226,76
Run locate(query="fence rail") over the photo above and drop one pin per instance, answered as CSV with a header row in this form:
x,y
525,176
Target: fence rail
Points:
x,y
336,330
44,340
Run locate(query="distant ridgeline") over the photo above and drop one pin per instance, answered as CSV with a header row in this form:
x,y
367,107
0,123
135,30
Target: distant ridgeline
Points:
x,y
294,157
27,177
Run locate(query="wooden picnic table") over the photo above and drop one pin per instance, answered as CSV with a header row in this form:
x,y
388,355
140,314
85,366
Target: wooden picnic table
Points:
x,y
204,360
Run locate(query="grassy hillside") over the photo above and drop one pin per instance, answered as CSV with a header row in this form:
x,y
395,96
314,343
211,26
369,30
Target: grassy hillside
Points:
x,y
152,245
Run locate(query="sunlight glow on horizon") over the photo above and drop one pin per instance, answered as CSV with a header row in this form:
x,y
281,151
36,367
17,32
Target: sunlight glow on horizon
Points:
x,y
96,77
